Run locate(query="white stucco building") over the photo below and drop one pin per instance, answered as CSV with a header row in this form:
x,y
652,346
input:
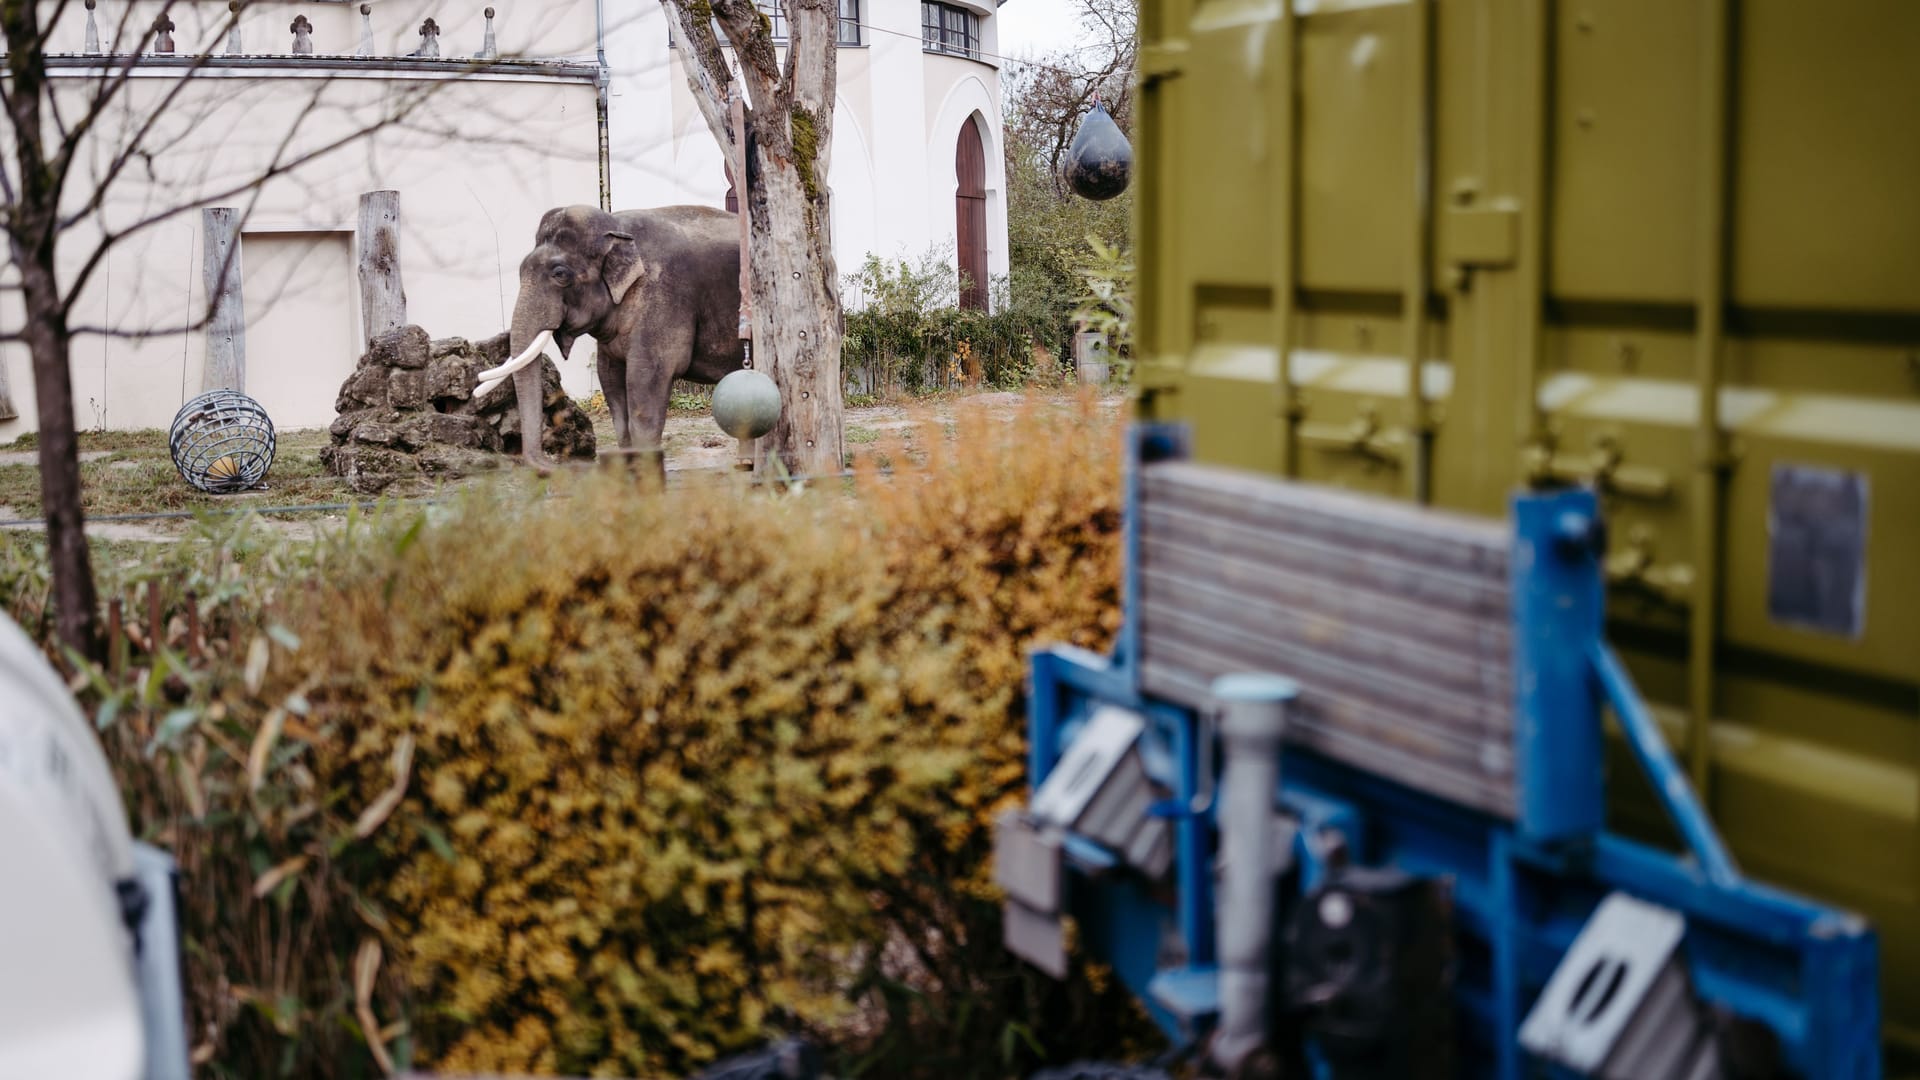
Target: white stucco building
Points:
x,y
918,104
482,149
487,149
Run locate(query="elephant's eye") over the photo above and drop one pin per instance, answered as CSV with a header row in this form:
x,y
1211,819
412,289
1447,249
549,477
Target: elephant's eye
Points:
x,y
562,276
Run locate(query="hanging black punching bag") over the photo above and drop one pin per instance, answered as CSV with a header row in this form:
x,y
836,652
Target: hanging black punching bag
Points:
x,y
1100,158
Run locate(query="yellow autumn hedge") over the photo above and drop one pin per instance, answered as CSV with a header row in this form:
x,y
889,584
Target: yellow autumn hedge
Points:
x,y
667,773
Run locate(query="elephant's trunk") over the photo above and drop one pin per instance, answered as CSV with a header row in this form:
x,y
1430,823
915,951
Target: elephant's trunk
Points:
x,y
532,328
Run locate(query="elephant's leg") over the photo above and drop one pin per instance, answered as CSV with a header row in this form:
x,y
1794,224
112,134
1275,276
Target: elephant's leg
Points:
x,y
613,383
649,387
528,392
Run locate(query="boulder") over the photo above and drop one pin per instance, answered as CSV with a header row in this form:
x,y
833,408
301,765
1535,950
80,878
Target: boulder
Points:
x,y
407,347
374,433
371,470
408,410
407,389
366,388
451,379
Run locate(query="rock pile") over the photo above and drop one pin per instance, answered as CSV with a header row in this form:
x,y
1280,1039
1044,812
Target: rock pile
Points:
x,y
408,409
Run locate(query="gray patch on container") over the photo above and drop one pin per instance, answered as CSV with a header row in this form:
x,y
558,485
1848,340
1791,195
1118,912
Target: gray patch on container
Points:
x,y
1817,549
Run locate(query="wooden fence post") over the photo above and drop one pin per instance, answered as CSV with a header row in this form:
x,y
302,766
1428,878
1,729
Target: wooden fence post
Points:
x,y
226,311
383,302
7,411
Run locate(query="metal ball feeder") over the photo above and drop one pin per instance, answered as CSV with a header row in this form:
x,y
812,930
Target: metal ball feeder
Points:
x,y
746,404
222,442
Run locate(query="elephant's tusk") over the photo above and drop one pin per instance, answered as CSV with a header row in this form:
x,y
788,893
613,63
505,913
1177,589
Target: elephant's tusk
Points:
x,y
493,376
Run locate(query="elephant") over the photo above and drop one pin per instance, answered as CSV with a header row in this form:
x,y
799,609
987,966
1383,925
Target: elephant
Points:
x,y
658,289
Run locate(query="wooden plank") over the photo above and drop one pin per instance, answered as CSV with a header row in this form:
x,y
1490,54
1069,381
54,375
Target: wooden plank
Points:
x,y
1227,649
1473,639
226,329
383,300
1455,541
1473,596
1322,634
1483,781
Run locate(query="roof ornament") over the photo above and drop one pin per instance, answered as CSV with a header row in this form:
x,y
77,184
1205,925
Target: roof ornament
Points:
x,y
302,36
233,29
162,33
366,31
488,50
429,40
93,31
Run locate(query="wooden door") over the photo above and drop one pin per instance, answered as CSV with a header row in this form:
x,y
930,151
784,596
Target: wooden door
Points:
x,y
970,215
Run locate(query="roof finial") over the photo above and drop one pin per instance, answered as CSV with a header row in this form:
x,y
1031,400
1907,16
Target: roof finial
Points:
x,y
488,50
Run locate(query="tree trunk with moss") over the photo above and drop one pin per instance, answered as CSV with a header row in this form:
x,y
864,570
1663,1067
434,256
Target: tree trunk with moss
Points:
x,y
794,284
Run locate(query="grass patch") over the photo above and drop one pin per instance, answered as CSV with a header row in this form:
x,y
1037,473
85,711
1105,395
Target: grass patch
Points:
x,y
149,439
136,475
863,435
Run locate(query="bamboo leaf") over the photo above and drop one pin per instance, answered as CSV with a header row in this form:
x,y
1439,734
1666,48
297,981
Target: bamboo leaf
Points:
x,y
267,882
258,654
262,748
383,807
366,970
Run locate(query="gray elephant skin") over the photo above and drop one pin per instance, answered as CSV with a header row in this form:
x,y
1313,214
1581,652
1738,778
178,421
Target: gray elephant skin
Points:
x,y
658,289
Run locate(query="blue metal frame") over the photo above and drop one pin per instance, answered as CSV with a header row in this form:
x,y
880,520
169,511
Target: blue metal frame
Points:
x,y
1523,888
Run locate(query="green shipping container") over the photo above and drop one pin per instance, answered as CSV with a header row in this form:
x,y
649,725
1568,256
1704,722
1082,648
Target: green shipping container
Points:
x,y
1440,249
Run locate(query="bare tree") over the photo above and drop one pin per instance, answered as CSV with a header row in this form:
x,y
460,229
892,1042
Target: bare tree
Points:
x,y
1048,97
85,150
794,285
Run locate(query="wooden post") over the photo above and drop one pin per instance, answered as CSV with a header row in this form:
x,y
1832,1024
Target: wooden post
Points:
x,y
156,622
193,626
383,302
226,311
7,411
116,639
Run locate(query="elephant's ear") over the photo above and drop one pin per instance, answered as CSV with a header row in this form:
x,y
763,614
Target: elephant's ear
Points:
x,y
620,267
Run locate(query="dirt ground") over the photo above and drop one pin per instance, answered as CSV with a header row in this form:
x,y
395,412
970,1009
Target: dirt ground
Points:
x,y
128,474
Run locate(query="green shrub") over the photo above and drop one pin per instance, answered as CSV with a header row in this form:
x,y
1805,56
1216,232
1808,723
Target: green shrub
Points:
x,y
908,332
610,784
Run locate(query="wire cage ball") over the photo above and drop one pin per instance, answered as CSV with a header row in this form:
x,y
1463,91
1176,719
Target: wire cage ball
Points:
x,y
222,442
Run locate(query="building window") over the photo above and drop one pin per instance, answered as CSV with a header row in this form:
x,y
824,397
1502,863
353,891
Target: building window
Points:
x,y
948,29
849,22
848,33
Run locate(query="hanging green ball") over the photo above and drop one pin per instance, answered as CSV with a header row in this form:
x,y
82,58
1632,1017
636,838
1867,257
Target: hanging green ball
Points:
x,y
746,404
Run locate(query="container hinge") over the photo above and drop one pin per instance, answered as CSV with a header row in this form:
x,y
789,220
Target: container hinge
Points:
x,y
1604,469
1162,61
1363,437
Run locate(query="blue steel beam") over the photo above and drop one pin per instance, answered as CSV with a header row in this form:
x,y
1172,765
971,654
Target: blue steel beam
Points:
x,y
1665,774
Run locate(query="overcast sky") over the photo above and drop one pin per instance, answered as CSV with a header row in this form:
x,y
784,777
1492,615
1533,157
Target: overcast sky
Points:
x,y
1029,27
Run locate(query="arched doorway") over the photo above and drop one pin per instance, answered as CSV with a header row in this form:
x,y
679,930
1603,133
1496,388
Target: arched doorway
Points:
x,y
970,214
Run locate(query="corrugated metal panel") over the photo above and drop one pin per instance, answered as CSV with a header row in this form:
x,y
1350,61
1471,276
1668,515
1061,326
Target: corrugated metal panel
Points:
x,y
1394,620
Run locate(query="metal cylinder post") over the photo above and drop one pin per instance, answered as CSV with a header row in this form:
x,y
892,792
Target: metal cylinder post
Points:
x,y
1253,715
